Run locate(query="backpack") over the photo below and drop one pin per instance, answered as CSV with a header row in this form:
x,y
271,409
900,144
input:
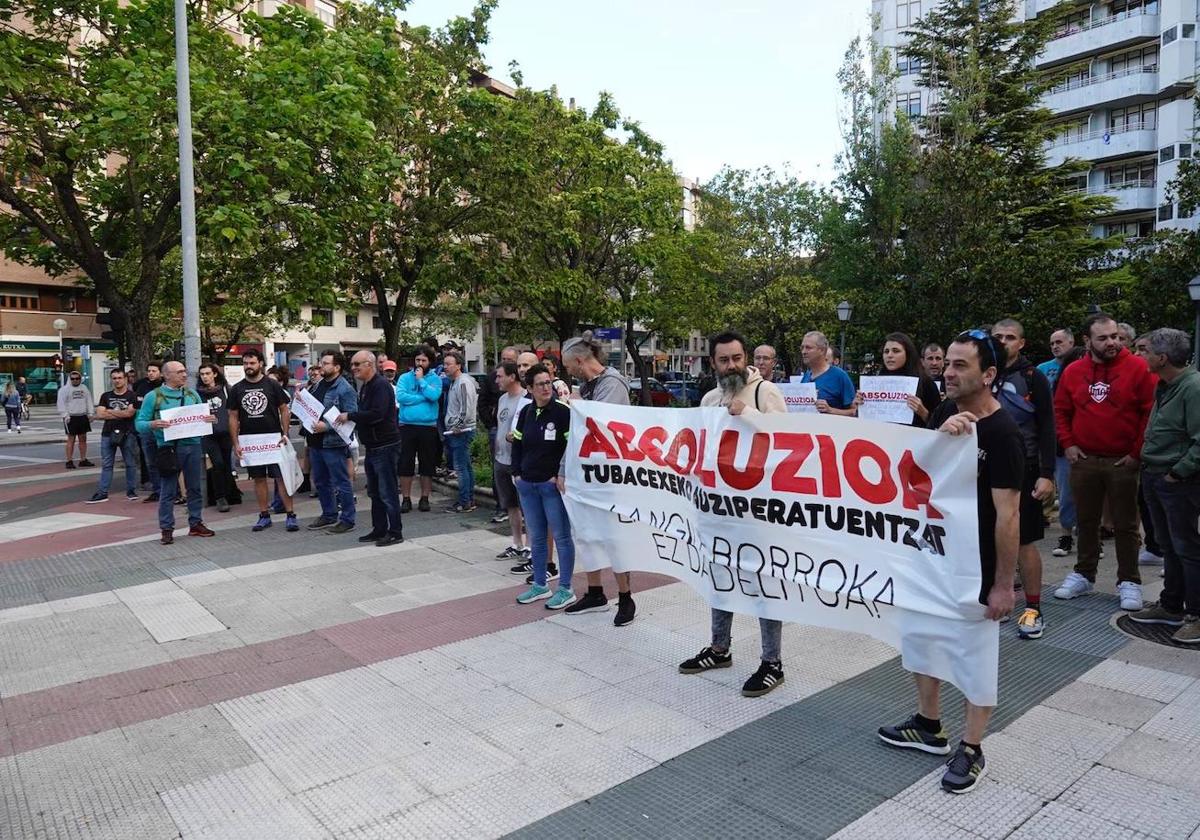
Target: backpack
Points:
x,y
1018,402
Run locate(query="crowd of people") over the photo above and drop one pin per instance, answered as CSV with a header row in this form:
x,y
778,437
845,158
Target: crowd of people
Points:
x,y
1109,429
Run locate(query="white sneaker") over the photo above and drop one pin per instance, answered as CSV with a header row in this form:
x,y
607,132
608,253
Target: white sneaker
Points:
x,y
1073,586
1130,594
1146,557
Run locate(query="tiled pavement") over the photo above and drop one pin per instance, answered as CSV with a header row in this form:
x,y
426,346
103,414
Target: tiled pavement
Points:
x,y
281,685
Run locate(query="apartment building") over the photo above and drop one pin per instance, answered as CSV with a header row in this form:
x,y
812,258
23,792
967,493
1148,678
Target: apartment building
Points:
x,y
1125,84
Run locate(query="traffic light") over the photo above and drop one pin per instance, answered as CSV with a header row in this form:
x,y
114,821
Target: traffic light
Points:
x,y
117,321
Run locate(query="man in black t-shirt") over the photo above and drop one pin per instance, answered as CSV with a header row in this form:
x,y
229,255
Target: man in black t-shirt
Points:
x,y
146,445
258,405
971,368
117,409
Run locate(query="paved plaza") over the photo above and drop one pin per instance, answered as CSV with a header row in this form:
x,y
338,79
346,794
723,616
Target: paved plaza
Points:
x,y
302,686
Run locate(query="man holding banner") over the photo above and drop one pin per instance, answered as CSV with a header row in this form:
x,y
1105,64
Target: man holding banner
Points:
x,y
159,419
258,405
328,451
972,366
741,390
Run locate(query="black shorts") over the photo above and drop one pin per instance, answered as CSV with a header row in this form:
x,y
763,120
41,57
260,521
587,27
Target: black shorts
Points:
x,y
1033,516
264,471
506,490
418,444
78,424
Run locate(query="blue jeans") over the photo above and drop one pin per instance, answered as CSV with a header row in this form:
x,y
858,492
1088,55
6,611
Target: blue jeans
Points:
x,y
1066,499
327,467
191,467
458,453
543,507
383,489
108,458
149,447
1175,507
770,630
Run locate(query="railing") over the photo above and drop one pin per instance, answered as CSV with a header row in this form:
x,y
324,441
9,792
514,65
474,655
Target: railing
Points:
x,y
1112,188
1100,133
1074,84
1096,24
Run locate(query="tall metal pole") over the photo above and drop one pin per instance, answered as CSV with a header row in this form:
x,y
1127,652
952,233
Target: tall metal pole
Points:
x,y
62,374
187,198
842,354
1196,337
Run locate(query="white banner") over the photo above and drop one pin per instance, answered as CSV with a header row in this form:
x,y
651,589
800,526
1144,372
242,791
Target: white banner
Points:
x,y
307,408
885,398
795,518
234,374
185,421
259,450
345,430
801,397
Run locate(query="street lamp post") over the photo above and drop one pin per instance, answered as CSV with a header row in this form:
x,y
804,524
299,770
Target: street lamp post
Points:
x,y
1194,294
60,325
187,197
312,336
844,312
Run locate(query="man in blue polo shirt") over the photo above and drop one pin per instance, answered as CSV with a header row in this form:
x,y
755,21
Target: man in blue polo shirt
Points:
x,y
835,391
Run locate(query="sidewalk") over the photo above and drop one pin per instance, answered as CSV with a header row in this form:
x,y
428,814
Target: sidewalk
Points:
x,y
303,685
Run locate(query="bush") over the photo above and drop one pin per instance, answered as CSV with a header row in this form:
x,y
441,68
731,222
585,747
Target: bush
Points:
x,y
481,457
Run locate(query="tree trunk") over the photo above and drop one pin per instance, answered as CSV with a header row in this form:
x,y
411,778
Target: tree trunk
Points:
x,y
639,364
141,341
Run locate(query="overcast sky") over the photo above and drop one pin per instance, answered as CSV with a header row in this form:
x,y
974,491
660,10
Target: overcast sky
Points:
x,y
719,82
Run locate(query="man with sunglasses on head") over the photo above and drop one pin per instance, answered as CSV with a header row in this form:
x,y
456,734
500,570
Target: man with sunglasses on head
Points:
x,y
1101,409
75,407
972,365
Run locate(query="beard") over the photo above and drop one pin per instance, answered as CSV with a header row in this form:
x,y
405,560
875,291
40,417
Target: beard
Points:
x,y
733,382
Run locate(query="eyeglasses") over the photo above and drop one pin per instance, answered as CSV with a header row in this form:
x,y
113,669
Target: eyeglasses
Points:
x,y
545,384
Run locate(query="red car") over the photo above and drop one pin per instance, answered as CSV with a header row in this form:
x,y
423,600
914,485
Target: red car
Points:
x,y
660,397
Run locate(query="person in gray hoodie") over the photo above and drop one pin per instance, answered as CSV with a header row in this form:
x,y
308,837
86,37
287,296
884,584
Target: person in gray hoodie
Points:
x,y
462,402
75,407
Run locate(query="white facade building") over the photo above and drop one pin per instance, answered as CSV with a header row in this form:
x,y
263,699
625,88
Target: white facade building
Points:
x,y
1124,99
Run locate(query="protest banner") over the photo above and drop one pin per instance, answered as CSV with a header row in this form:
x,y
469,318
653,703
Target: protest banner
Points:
x,y
307,408
885,398
259,450
233,374
796,518
345,430
185,421
801,397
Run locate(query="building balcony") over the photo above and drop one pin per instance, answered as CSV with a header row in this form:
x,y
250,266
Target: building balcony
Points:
x,y
1112,90
1108,33
1104,144
1130,196
1040,6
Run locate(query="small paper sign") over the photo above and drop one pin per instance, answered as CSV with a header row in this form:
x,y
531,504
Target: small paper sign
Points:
x,y
185,421
885,398
801,397
308,409
260,450
345,430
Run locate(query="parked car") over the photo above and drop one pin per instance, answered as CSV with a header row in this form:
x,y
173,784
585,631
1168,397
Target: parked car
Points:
x,y
660,397
687,392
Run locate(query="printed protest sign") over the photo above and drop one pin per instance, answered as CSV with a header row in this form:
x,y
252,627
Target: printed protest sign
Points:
x,y
802,518
801,397
258,450
345,430
307,408
885,398
185,421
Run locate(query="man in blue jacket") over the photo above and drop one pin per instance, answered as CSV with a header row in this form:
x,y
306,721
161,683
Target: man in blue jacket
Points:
x,y
328,452
417,394
188,454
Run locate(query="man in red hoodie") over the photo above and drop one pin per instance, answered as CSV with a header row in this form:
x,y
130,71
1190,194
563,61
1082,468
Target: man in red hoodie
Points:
x,y
1101,409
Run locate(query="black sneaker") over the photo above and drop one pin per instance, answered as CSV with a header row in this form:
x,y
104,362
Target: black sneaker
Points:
x,y
590,602
86,463
1066,544
763,681
153,497
371,537
705,660
964,771
319,523
625,611
388,539
423,505
911,736
551,574
406,505
510,553
522,568
71,466
501,516
340,528
97,498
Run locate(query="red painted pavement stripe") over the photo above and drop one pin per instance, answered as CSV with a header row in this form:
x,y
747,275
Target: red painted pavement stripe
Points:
x,y
63,713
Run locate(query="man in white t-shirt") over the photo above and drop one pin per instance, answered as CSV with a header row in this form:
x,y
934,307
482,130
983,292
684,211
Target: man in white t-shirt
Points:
x,y
512,399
